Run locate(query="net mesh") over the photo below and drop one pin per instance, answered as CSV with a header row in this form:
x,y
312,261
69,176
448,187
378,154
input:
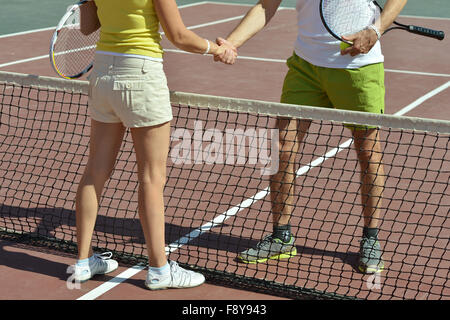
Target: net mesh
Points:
x,y
217,195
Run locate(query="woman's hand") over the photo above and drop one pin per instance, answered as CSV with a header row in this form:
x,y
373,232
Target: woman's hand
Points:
x,y
226,53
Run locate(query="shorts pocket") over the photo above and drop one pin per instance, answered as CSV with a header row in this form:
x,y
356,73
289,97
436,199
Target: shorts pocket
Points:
x,y
130,93
131,85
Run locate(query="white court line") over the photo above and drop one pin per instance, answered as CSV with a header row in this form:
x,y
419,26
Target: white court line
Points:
x,y
26,32
95,293
242,58
105,287
431,74
100,290
214,22
423,17
244,5
230,3
7,64
292,8
53,28
418,73
202,3
423,99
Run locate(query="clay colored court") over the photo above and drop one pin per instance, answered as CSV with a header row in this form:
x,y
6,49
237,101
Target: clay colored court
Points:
x,y
417,85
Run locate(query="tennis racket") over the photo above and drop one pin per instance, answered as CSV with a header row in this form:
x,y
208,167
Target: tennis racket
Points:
x,y
346,17
71,51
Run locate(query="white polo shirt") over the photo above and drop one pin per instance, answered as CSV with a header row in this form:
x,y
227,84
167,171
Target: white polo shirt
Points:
x,y
315,45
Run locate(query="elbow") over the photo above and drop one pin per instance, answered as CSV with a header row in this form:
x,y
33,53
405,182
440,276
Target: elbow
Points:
x,y
85,32
179,38
85,28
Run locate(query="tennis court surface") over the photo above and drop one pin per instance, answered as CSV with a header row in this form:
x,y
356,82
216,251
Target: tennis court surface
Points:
x,y
217,192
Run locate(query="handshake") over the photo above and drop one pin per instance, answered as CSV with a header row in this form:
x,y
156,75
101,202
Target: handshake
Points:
x,y
227,52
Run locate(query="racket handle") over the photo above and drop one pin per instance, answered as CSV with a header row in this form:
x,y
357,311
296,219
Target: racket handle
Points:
x,y
427,32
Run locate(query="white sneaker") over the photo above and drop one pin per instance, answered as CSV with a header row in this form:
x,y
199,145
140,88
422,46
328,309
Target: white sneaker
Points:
x,y
99,264
177,278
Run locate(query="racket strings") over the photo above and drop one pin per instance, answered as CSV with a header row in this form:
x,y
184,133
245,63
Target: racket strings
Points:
x,y
73,51
347,17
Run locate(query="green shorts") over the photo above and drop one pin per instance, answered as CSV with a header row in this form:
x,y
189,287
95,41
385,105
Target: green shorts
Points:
x,y
349,89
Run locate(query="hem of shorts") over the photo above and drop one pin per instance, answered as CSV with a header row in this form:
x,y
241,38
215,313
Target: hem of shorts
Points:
x,y
104,121
350,65
148,123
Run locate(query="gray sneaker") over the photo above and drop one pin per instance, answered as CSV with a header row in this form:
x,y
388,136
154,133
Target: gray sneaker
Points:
x,y
269,248
370,259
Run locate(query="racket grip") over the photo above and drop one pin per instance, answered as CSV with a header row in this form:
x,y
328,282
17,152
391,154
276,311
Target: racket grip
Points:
x,y
427,32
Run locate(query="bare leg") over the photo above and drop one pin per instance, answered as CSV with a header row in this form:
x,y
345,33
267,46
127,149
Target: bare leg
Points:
x,y
105,142
152,147
368,149
282,183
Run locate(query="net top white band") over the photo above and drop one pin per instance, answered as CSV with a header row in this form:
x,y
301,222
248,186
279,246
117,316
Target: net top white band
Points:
x,y
248,106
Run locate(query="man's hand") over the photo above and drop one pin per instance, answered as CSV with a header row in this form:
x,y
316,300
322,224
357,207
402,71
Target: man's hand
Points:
x,y
228,52
362,41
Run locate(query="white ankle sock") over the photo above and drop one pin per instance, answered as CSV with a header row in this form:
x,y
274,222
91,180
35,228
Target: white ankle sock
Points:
x,y
85,262
161,271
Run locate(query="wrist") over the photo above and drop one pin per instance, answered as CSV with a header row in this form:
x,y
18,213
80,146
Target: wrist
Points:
x,y
376,30
235,42
208,47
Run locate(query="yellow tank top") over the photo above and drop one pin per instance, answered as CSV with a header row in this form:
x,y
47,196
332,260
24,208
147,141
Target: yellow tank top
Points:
x,y
129,27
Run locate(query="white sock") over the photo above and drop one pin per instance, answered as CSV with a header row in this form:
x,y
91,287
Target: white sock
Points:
x,y
161,271
83,262
86,262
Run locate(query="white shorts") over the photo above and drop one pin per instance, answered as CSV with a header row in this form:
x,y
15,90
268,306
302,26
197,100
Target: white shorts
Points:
x,y
132,91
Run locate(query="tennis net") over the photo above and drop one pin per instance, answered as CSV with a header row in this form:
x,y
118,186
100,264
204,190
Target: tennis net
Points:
x,y
217,196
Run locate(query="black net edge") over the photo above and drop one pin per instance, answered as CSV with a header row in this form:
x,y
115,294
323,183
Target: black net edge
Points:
x,y
222,278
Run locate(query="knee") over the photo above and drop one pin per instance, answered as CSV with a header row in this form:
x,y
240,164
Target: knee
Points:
x,y
153,178
97,174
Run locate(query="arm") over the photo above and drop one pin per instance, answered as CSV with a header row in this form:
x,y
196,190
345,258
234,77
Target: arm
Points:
x,y
177,33
364,40
89,22
390,12
253,22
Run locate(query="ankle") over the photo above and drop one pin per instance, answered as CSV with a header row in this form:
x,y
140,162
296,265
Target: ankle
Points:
x,y
164,270
370,232
282,232
83,262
